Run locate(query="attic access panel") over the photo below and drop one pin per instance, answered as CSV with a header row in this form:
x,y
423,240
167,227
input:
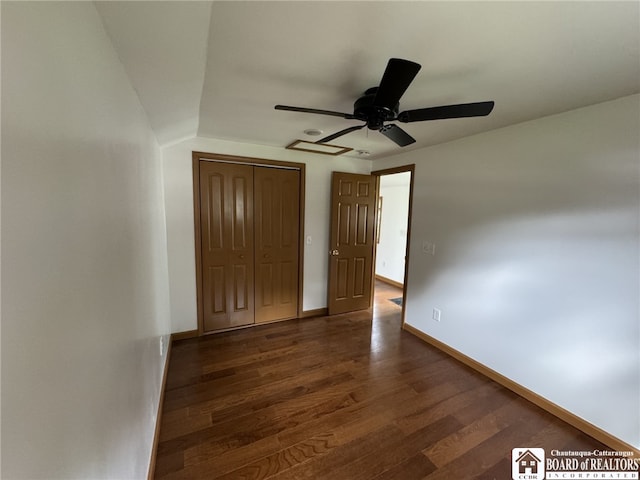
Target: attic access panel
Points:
x,y
322,148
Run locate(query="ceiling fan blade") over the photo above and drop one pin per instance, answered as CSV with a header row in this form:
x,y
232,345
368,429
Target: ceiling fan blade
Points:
x,y
340,133
396,79
398,135
314,110
478,109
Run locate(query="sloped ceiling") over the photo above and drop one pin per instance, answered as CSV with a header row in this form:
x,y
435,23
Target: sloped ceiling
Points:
x,y
216,69
163,46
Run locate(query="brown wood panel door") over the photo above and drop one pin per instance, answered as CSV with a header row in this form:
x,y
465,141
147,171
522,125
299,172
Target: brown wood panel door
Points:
x,y
353,206
227,242
277,224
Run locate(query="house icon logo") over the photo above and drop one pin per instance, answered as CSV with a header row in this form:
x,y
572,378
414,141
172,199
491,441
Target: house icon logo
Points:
x,y
527,464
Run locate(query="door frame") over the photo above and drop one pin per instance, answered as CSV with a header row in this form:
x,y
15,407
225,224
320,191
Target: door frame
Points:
x,y
390,171
196,157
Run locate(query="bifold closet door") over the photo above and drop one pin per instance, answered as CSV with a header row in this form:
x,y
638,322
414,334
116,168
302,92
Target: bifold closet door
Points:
x,y
227,239
277,224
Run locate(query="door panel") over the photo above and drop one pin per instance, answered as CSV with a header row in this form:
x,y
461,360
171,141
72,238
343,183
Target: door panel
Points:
x,y
341,275
277,208
353,200
242,200
344,224
362,224
217,288
360,276
226,211
215,218
288,283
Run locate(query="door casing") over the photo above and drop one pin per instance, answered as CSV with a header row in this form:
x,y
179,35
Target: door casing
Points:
x,y
214,157
390,171
377,173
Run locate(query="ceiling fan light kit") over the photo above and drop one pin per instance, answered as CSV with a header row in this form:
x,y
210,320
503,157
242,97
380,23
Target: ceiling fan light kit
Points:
x,y
381,104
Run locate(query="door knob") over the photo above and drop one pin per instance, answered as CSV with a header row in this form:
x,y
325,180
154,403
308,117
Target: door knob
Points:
x,y
334,253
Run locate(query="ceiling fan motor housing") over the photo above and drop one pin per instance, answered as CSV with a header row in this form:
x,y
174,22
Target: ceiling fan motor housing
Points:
x,y
375,115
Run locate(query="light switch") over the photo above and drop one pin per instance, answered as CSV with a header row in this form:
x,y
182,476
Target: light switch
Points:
x,y
308,239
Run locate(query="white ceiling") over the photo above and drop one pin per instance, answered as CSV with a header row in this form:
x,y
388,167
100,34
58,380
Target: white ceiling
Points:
x,y
216,69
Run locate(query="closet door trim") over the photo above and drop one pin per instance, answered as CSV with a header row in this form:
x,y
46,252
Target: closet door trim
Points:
x,y
197,157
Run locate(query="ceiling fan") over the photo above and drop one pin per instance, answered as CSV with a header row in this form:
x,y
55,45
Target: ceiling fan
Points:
x,y
381,104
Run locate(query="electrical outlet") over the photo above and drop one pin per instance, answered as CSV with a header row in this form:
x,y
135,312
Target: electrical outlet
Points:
x,y
436,314
428,247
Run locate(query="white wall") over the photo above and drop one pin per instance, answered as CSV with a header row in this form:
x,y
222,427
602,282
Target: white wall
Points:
x,y
178,183
84,266
392,247
537,262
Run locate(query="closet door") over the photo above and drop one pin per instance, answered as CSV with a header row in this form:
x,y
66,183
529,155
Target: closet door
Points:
x,y
227,242
277,224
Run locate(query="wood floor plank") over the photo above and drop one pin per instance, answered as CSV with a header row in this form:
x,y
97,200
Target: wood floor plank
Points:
x,y
182,422
495,449
326,466
255,424
381,460
169,463
431,412
346,416
280,461
347,397
417,466
463,440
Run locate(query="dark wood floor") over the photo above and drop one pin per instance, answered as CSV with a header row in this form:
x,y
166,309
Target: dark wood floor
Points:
x,y
342,398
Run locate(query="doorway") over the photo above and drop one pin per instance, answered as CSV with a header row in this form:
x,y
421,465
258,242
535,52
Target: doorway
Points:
x,y
395,188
